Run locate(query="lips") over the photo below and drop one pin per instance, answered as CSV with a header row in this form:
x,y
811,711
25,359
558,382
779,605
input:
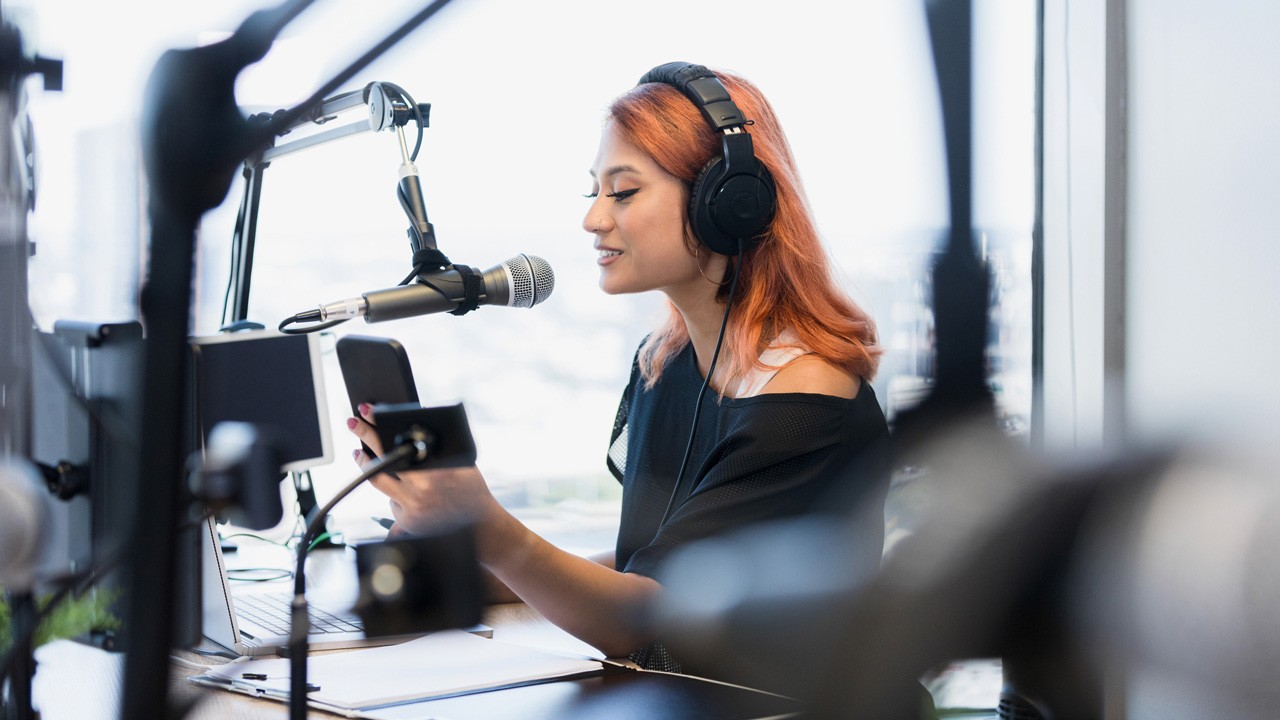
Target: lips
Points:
x,y
606,255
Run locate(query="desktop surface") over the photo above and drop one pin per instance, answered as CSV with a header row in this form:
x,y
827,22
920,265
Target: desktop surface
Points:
x,y
622,694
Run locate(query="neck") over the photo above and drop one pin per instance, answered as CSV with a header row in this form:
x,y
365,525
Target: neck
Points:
x,y
703,314
703,320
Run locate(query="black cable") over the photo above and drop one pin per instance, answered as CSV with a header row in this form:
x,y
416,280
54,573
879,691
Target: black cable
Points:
x,y
255,536
235,248
261,574
697,405
419,240
412,274
301,317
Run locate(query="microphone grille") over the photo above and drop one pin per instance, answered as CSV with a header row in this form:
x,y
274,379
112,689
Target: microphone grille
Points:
x,y
532,280
24,519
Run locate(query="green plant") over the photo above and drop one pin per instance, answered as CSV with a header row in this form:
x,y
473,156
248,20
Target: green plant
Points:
x,y
73,618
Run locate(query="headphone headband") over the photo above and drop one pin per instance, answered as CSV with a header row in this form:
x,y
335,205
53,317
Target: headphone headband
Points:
x,y
702,87
733,198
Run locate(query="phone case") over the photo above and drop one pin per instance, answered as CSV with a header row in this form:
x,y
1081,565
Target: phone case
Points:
x,y
375,370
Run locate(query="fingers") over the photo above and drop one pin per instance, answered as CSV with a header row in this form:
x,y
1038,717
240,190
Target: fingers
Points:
x,y
398,527
420,498
393,488
362,427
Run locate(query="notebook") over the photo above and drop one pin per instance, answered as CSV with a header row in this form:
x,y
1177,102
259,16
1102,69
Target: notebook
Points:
x,y
251,624
444,664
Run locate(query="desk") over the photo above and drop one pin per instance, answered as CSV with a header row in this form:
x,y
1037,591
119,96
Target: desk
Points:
x,y
622,695
78,683
83,682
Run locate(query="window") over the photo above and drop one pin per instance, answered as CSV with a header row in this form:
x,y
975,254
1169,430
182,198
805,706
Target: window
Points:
x,y
517,92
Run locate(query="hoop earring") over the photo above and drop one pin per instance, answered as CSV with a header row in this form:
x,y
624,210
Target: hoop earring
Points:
x,y
697,261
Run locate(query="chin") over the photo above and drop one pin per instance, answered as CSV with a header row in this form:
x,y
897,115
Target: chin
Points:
x,y
611,285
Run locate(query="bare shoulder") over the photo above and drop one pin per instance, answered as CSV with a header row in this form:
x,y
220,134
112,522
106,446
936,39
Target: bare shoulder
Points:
x,y
812,374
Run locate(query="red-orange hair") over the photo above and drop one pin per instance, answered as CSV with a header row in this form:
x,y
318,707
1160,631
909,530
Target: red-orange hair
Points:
x,y
786,280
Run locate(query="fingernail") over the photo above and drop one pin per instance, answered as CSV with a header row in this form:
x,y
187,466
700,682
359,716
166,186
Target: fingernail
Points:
x,y
355,454
351,423
364,408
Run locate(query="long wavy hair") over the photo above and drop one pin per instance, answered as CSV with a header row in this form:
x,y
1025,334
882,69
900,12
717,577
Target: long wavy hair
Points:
x,y
785,281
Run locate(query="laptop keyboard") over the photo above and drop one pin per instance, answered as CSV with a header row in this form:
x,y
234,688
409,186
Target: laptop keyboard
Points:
x,y
271,611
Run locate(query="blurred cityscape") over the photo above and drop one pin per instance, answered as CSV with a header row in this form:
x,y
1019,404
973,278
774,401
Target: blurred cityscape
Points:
x,y
541,386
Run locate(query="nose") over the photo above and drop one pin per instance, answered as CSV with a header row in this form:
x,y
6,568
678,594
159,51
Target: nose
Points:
x,y
596,221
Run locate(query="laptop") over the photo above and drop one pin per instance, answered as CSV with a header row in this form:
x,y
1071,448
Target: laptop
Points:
x,y
257,623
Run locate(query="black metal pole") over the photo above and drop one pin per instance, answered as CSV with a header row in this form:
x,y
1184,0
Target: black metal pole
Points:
x,y
152,553
961,279
962,283
193,139
23,666
248,233
1037,248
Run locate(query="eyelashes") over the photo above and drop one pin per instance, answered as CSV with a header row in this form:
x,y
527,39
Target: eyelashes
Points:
x,y
618,196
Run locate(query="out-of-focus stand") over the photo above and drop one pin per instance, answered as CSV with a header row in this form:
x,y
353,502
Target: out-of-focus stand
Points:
x,y
17,198
193,138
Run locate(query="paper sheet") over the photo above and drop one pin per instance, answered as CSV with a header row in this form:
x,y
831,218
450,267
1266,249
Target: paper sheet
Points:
x,y
436,665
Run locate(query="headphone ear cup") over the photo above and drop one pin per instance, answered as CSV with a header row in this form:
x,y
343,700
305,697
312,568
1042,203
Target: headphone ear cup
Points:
x,y
721,210
704,226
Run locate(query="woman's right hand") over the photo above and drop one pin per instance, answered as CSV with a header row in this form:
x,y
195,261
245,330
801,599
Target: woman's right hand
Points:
x,y
421,499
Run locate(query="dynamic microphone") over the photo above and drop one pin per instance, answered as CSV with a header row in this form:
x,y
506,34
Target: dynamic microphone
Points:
x,y
521,281
24,522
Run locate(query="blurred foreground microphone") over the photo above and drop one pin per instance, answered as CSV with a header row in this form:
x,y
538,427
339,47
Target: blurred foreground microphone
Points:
x,y
24,519
521,281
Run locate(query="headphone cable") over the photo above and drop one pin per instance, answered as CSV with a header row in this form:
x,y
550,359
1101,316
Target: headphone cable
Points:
x,y
697,405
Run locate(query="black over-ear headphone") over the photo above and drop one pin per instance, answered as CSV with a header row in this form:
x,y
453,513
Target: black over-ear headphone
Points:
x,y
733,198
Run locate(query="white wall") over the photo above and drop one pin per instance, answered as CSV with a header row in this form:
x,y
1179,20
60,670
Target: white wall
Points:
x,y
1195,247
1185,352
1204,217
1203,225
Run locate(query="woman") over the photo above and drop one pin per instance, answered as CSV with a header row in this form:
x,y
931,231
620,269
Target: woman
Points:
x,y
790,421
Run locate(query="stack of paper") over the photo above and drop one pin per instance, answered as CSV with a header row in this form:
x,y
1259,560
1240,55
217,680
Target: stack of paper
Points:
x,y
434,666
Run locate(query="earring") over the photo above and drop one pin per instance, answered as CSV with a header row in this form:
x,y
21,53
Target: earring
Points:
x,y
697,261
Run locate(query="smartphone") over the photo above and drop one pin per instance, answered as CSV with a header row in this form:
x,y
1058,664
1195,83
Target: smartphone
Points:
x,y
376,371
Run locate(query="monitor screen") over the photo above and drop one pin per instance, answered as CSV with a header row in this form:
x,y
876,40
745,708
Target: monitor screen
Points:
x,y
266,378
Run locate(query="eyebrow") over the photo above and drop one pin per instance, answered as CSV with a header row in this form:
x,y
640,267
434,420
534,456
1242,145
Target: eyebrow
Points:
x,y
616,169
